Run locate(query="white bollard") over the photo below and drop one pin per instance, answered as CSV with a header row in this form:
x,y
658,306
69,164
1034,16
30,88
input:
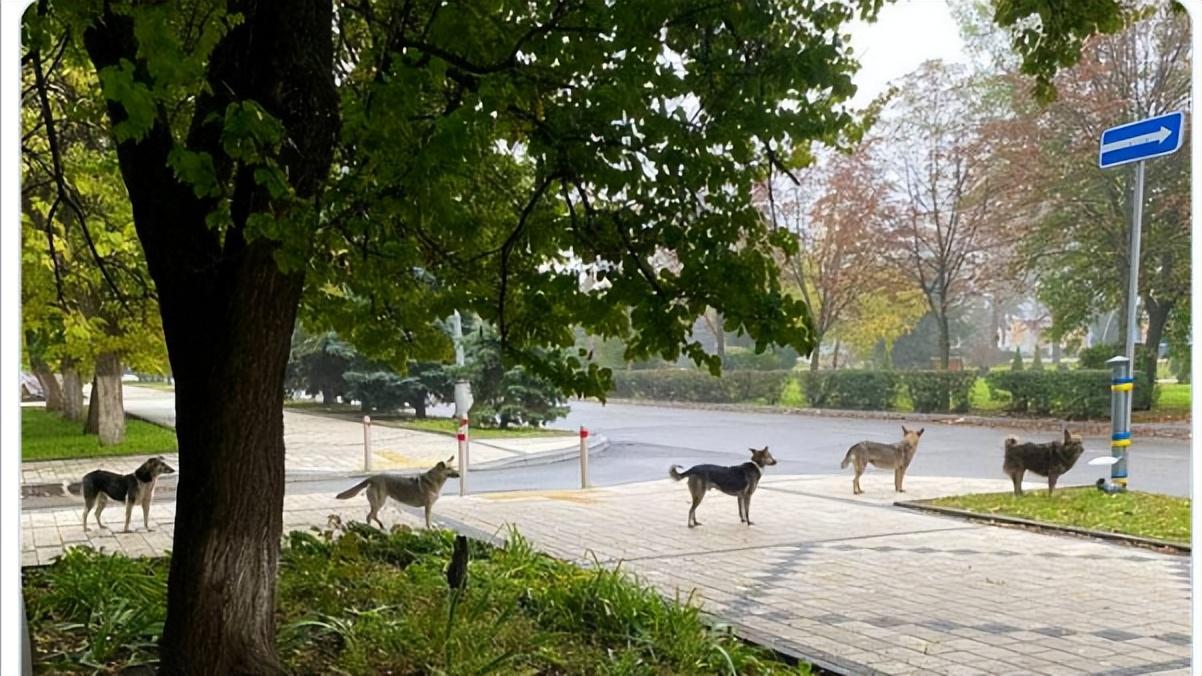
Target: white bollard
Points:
x,y
463,455
367,443
583,457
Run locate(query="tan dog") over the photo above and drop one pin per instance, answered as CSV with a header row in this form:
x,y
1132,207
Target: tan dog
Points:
x,y
416,491
896,456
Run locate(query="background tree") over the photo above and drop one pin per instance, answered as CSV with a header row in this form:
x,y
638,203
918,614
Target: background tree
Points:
x,y
945,220
318,363
839,259
1079,216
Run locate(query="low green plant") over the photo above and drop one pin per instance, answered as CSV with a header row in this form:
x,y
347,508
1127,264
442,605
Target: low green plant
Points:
x,y
852,389
939,391
354,599
695,385
1078,393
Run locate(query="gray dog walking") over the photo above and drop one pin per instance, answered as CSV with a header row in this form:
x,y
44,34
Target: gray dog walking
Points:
x,y
416,491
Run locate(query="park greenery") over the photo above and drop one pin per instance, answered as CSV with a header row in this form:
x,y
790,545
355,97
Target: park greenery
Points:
x,y
1150,515
47,435
200,175
360,600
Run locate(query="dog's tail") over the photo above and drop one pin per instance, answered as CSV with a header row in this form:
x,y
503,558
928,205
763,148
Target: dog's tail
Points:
x,y
74,487
354,490
674,472
847,458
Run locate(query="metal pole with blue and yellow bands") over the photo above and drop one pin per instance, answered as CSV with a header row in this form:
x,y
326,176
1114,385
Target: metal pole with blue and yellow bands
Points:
x,y
1122,388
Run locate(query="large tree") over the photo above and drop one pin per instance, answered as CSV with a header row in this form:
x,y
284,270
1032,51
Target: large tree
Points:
x,y
1078,217
392,162
945,222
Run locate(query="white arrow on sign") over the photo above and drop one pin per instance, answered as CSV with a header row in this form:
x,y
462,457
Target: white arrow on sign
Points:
x,y
1158,136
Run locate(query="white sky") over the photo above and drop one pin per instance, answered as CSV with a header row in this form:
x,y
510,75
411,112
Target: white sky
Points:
x,y
905,34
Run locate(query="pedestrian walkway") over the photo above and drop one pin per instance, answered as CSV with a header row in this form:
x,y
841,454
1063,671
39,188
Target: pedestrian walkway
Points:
x,y
853,584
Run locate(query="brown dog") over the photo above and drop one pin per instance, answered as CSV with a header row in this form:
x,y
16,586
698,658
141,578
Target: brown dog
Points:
x,y
1050,459
896,456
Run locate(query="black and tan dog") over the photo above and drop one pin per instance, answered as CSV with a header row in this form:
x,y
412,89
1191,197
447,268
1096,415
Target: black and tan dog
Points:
x,y
896,456
416,491
134,489
1050,459
739,481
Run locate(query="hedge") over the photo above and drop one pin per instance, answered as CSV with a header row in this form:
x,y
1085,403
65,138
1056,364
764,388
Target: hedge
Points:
x,y
700,386
1083,393
940,391
851,389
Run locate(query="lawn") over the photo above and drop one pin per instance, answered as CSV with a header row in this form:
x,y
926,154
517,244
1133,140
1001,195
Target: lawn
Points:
x,y
48,436
1149,515
1173,398
358,600
161,385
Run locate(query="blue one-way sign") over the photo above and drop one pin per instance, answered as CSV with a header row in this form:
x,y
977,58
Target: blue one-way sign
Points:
x,y
1136,141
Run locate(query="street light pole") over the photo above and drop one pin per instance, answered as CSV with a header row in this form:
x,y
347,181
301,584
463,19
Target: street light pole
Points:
x,y
463,403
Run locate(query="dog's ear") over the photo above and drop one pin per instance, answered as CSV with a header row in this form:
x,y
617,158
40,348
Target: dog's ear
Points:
x,y
905,431
143,473
1068,436
450,461
921,430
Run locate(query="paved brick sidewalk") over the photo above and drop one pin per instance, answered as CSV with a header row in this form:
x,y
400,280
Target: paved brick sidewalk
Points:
x,y
851,583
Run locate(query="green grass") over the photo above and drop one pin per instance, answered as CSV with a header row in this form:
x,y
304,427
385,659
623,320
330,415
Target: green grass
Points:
x,y
49,436
358,600
1144,514
1173,397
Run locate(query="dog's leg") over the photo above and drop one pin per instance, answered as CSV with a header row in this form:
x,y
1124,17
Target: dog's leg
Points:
x,y
1017,478
146,514
428,506
697,491
899,475
129,511
87,507
747,508
1052,483
855,482
101,501
376,500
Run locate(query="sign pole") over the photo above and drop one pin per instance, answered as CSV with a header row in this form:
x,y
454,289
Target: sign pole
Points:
x,y
1137,216
366,443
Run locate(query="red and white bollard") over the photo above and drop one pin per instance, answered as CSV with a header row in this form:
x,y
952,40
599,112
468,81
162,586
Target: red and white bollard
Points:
x,y
583,457
367,443
463,456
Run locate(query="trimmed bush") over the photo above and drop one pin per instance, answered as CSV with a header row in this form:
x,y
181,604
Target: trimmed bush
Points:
x,y
851,389
940,391
700,386
1083,393
745,359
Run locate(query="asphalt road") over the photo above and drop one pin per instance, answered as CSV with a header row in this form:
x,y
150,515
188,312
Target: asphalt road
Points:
x,y
645,440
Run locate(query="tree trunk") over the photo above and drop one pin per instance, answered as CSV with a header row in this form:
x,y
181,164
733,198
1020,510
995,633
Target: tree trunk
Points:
x,y
835,357
50,385
228,315
327,395
1056,353
106,392
814,356
419,408
720,334
91,424
945,341
1158,316
72,392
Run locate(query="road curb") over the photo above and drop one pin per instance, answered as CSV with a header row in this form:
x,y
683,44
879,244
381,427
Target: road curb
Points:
x,y
1092,427
1134,540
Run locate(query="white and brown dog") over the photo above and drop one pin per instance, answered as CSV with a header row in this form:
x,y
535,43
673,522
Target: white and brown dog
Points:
x,y
134,489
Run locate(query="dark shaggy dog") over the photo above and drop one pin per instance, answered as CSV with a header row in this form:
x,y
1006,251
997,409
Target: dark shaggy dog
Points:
x,y
1050,459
